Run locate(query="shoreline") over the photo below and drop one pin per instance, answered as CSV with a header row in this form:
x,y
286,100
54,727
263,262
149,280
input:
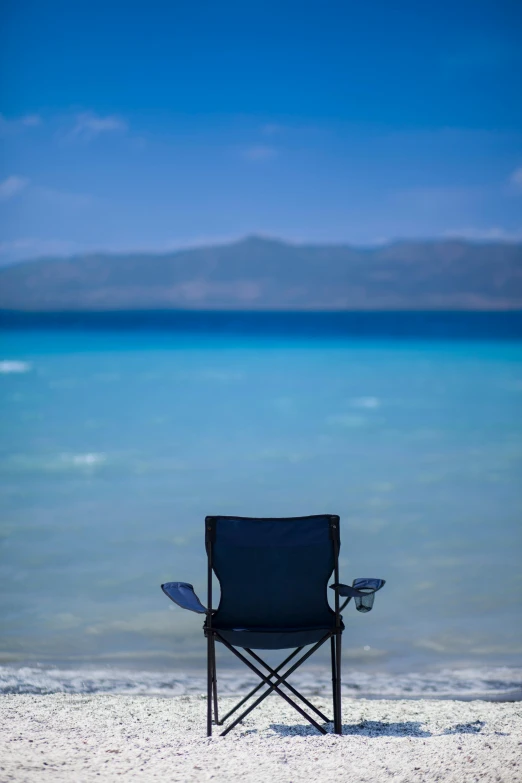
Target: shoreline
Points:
x,y
489,683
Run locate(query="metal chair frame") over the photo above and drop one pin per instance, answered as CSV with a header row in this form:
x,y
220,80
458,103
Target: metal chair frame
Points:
x,y
274,679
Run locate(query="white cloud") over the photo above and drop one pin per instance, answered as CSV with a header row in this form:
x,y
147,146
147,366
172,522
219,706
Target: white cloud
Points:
x,y
31,120
22,249
272,129
11,187
63,199
88,125
438,198
259,153
18,124
491,234
516,177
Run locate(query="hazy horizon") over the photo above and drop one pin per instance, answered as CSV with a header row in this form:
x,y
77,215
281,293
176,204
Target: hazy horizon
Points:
x,y
237,240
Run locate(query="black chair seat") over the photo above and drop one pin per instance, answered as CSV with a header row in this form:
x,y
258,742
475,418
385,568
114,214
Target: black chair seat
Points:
x,y
272,639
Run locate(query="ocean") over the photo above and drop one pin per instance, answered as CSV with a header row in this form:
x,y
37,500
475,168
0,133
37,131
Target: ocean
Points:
x,y
119,435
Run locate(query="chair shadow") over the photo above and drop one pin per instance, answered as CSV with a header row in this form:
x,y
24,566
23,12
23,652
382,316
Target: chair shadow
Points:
x,y
466,728
366,728
373,728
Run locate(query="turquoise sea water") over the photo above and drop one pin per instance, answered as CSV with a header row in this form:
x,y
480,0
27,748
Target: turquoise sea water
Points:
x,y
115,445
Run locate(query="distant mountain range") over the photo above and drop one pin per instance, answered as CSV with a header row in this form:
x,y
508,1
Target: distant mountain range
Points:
x,y
263,274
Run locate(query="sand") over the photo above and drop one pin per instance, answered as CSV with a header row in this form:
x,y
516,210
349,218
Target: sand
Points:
x,y
73,738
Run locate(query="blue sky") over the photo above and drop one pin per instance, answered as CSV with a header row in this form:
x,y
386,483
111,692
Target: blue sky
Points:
x,y
136,125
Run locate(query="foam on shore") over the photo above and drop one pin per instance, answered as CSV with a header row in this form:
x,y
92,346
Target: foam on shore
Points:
x,y
491,683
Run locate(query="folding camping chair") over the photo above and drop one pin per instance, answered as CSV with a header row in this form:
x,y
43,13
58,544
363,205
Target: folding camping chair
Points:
x,y
273,575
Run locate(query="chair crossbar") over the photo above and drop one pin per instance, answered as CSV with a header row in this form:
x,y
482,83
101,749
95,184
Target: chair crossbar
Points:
x,y
273,672
273,686
255,690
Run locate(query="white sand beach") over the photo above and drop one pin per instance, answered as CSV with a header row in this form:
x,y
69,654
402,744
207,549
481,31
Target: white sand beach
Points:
x,y
62,737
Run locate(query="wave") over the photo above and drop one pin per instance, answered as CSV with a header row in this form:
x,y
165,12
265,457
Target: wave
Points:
x,y
84,460
494,684
57,463
8,366
366,402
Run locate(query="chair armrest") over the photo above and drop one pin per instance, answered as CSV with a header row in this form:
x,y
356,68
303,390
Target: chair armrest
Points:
x,y
183,595
362,590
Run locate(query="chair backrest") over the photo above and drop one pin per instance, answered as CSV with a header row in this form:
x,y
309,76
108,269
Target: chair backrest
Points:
x,y
273,573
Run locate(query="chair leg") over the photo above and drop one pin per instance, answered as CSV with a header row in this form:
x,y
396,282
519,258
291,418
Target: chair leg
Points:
x,y
209,684
338,726
214,682
334,681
